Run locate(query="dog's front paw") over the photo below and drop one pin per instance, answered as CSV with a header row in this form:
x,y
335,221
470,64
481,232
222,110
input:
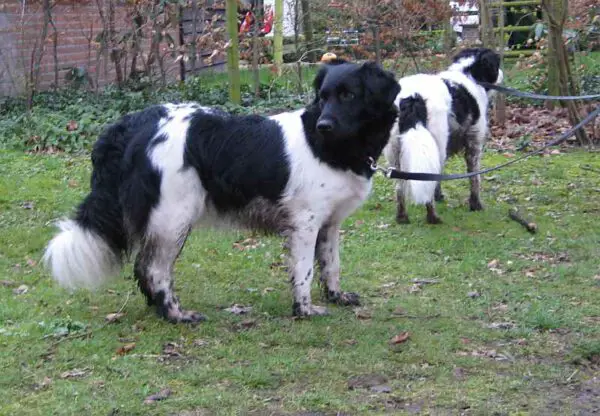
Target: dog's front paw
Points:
x,y
343,298
305,311
184,316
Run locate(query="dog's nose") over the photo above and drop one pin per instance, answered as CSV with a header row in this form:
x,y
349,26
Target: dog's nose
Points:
x,y
325,125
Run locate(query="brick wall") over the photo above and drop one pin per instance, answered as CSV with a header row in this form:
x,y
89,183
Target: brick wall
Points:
x,y
78,24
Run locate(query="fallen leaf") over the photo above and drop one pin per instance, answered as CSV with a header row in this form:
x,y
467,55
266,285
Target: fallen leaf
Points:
x,y
414,288
72,183
366,381
161,395
113,317
200,343
125,349
246,324
267,290
459,373
425,281
363,313
501,325
382,388
239,309
21,290
474,294
72,125
493,263
171,349
350,342
400,338
399,311
75,373
47,381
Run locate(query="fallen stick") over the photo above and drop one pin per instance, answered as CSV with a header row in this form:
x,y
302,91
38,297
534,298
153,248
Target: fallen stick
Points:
x,y
513,213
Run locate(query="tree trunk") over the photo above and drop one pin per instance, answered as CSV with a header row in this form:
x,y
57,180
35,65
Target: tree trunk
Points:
x,y
181,43
278,36
115,51
308,30
193,51
36,56
376,36
233,56
54,49
556,12
258,17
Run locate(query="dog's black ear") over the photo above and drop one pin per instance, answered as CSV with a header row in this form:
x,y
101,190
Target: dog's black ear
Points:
x,y
486,65
318,81
381,86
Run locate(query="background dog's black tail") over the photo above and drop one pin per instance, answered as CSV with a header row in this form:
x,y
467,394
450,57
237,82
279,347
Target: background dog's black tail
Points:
x,y
89,248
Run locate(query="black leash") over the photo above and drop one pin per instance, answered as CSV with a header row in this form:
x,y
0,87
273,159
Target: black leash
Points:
x,y
517,93
393,173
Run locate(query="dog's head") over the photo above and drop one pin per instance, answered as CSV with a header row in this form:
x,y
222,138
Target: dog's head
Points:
x,y
481,63
350,95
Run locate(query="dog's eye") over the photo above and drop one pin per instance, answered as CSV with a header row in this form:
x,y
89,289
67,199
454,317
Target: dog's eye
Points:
x,y
347,96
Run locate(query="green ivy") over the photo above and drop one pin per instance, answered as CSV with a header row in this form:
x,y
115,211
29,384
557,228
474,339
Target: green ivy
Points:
x,y
71,120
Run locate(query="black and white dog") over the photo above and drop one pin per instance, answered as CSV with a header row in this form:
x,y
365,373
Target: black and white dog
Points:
x,y
159,172
441,115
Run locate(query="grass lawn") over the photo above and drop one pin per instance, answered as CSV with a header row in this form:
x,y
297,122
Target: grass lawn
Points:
x,y
506,323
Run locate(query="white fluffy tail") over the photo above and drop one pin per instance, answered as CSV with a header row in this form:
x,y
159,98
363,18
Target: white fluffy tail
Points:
x,y
419,153
80,258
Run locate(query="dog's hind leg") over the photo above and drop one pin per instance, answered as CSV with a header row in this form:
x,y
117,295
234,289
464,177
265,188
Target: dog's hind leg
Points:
x,y
432,217
167,230
439,195
401,214
154,272
473,151
328,257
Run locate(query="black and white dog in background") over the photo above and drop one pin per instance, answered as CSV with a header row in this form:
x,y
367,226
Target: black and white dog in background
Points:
x,y
441,115
159,172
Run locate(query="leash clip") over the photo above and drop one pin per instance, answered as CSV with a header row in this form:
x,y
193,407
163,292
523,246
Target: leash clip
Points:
x,y
375,168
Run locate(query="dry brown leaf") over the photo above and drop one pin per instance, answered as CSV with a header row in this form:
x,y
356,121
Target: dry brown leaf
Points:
x,y
363,313
400,338
399,311
172,349
239,309
414,288
161,395
493,263
125,349
113,317
21,290
72,125
75,373
200,343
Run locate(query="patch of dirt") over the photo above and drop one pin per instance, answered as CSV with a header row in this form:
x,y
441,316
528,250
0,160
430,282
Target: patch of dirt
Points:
x,y
550,258
527,128
581,398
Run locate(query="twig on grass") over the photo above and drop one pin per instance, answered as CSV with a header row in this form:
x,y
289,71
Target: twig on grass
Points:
x,y
89,332
514,215
588,167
